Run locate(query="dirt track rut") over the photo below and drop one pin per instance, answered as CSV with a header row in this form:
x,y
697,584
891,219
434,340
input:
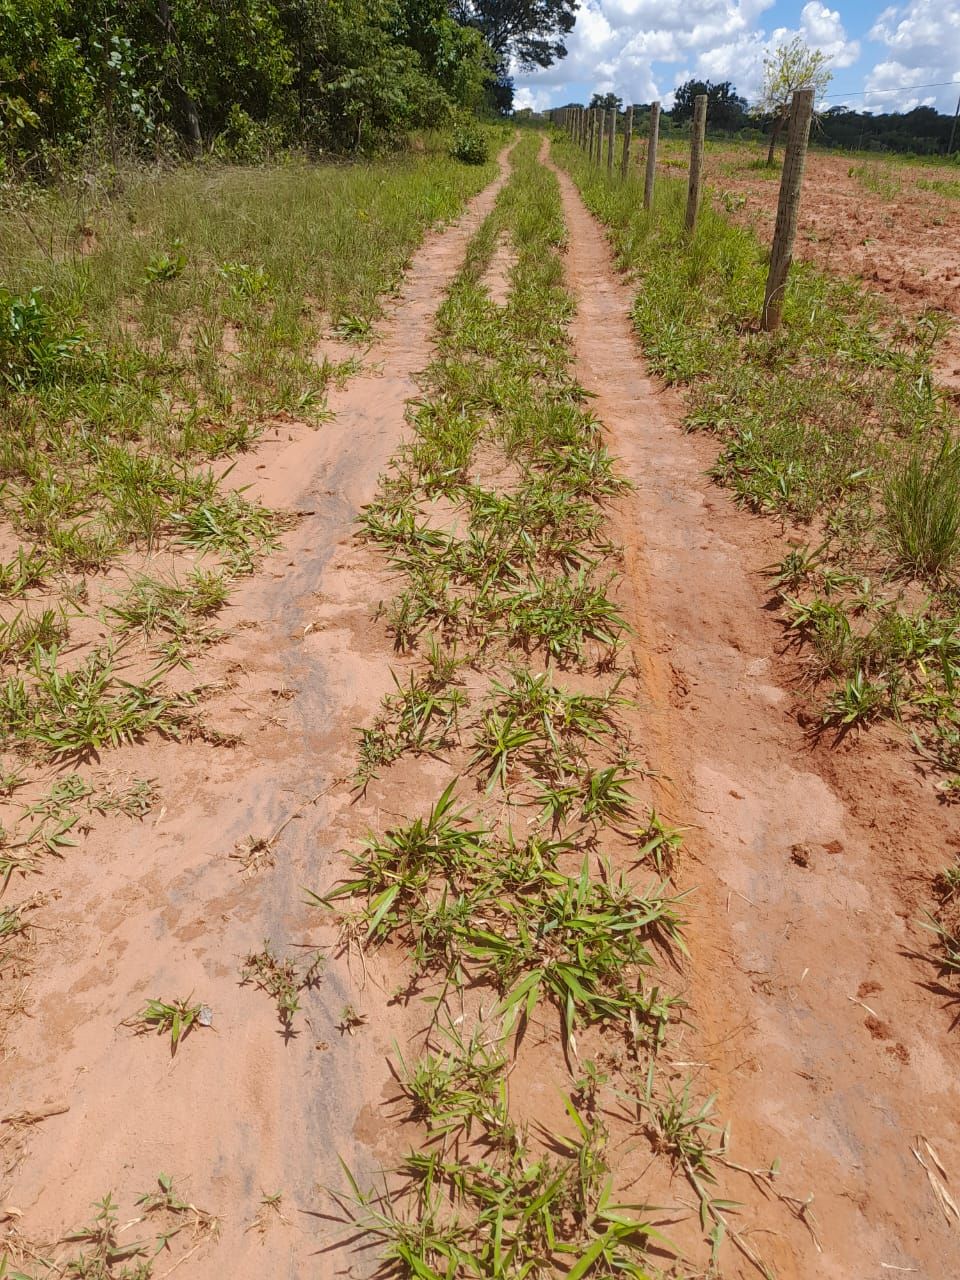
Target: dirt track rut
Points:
x,y
811,1024
825,1049
161,910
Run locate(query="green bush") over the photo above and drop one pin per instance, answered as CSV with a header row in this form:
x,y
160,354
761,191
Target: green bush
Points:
x,y
922,502
33,347
470,144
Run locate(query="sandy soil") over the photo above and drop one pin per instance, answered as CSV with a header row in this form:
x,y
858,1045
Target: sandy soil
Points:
x,y
906,247
810,865
830,1045
164,910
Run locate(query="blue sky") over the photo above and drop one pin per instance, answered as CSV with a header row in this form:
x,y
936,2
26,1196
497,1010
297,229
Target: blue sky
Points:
x,y
642,49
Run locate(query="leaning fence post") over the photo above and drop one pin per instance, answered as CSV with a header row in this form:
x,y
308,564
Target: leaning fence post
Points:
x,y
611,138
788,208
627,135
696,160
652,142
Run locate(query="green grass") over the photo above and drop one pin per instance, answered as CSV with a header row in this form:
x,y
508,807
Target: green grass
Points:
x,y
944,921
880,179
941,187
834,421
513,597
151,328
175,1018
283,979
922,510
104,1248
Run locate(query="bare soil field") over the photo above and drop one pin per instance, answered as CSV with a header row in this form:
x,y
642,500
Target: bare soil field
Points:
x,y
895,226
777,1095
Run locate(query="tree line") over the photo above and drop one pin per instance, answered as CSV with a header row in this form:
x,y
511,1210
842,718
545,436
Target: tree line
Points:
x,y
921,131
793,65
250,76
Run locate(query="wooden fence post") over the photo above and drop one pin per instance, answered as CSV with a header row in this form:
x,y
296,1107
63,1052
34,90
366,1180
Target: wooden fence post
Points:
x,y
788,208
601,128
611,137
652,142
627,135
696,160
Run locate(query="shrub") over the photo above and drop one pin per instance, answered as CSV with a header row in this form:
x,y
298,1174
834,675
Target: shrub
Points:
x,y
248,141
470,144
33,348
922,503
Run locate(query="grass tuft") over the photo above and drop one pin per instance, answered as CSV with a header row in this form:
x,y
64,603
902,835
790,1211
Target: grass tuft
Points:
x,y
922,504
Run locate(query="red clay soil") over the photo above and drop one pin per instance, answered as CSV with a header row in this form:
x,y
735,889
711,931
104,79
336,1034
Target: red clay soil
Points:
x,y
163,910
811,1015
907,247
816,1019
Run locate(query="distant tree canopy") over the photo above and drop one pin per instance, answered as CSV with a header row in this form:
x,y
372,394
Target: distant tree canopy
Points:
x,y
923,130
606,102
256,74
725,108
528,31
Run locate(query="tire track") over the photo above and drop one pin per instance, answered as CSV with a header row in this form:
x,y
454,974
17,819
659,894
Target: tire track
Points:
x,y
793,931
239,1114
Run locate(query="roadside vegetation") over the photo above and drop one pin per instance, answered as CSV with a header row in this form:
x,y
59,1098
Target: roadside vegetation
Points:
x,y
151,332
116,1244
834,424
147,339
533,899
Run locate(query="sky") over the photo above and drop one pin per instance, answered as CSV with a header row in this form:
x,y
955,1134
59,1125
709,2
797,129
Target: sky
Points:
x,y
643,49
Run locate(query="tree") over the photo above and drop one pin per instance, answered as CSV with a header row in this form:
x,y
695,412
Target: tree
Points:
x,y
499,95
250,77
790,67
47,92
606,102
725,108
528,31
456,56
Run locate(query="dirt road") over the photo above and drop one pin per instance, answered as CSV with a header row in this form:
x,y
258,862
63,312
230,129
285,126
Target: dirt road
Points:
x,y
808,1011
827,1050
164,911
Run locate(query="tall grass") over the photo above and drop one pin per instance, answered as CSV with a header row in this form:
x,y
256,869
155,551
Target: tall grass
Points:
x,y
922,503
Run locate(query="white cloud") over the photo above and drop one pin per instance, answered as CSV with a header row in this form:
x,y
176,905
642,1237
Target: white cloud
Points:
x,y
822,29
923,37
616,43
536,99
642,49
